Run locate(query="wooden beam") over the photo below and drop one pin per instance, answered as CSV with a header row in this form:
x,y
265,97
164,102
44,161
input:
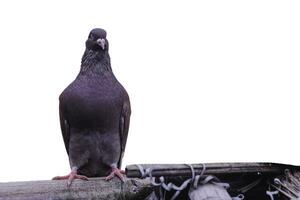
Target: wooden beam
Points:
x,y
95,188
171,170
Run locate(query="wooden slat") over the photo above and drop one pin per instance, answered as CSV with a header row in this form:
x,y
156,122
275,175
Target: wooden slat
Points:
x,y
132,171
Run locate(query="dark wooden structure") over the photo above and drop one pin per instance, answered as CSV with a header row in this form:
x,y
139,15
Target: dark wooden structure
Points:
x,y
170,170
249,180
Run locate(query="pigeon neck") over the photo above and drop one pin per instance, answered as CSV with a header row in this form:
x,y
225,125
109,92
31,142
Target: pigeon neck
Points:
x,y
95,62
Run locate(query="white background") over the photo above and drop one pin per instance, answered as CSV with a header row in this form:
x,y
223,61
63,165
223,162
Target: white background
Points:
x,y
209,81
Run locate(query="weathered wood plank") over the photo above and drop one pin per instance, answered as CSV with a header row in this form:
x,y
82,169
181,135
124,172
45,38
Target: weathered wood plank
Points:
x,y
95,188
168,170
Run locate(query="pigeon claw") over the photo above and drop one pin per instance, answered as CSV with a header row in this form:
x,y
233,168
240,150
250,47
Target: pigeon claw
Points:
x,y
116,172
70,177
75,176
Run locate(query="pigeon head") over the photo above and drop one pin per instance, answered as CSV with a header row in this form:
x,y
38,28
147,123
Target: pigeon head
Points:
x,y
97,40
96,58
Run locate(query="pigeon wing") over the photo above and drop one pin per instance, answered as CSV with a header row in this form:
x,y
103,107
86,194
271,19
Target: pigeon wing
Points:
x,y
65,128
124,127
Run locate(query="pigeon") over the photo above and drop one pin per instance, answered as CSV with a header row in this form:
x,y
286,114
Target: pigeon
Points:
x,y
94,115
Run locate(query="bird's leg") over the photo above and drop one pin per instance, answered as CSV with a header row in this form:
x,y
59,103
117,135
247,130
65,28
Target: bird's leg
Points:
x,y
116,172
70,177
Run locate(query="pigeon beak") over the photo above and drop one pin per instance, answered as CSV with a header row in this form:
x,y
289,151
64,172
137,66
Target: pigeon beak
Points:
x,y
101,43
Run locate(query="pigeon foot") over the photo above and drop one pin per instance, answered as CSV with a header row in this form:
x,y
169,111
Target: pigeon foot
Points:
x,y
70,177
116,172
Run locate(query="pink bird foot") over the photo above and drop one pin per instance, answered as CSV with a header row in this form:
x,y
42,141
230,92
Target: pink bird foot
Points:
x,y
116,172
70,177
